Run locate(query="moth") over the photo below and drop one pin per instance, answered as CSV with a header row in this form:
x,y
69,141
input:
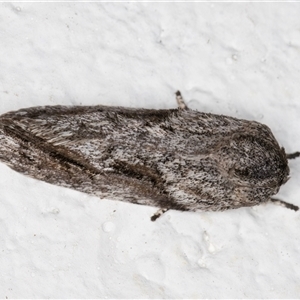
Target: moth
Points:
x,y
178,159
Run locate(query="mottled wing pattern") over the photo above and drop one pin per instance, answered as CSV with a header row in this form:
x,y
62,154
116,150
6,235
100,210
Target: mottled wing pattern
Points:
x,y
179,159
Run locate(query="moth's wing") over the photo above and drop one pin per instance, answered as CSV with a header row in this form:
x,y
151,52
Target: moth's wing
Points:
x,y
70,146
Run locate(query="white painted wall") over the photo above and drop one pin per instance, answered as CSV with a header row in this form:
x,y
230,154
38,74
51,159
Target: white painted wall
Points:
x,y
238,59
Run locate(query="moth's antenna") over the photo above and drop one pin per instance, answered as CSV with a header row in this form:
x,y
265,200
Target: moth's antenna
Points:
x,y
293,155
284,204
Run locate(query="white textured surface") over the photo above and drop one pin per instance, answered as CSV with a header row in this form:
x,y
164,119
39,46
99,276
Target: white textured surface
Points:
x,y
239,59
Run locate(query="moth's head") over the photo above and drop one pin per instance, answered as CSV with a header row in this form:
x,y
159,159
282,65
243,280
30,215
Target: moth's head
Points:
x,y
255,161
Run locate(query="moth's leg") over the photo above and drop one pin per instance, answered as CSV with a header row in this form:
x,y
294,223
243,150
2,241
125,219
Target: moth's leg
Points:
x,y
284,204
180,101
159,213
293,155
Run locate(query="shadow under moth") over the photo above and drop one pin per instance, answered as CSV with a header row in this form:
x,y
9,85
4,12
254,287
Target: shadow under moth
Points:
x,y
172,159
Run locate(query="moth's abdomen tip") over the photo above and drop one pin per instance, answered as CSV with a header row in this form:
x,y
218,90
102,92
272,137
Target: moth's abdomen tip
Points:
x,y
178,93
